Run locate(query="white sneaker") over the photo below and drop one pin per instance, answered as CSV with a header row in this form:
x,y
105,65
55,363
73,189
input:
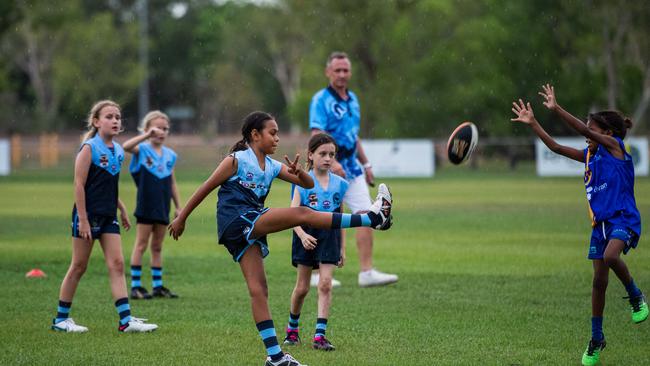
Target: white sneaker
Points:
x,y
286,360
375,278
137,325
68,326
315,277
382,206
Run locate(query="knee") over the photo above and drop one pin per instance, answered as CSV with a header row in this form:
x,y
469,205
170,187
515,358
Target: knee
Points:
x,y
156,247
77,269
259,292
301,291
610,259
325,286
599,283
116,266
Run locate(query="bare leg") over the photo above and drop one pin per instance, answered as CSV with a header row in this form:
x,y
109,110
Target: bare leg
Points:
x,y
142,232
364,246
112,246
325,290
81,249
157,238
252,267
612,259
599,287
301,289
278,219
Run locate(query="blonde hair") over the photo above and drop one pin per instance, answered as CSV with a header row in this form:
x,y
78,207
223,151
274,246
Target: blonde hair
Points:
x,y
94,114
146,121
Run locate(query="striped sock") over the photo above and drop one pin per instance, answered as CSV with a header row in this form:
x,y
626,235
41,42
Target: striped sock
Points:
x,y
124,311
267,332
156,277
294,321
597,328
321,327
63,311
342,220
136,272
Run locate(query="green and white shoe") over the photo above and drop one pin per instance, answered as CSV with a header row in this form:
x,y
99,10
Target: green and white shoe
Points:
x,y
639,308
592,353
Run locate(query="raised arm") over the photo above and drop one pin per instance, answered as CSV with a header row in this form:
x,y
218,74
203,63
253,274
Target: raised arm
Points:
x,y
292,172
131,145
525,115
550,101
225,170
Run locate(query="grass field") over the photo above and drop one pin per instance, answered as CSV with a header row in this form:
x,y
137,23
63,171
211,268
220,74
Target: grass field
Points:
x,y
492,267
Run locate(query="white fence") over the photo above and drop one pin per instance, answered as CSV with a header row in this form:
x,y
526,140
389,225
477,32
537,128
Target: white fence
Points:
x,y
401,158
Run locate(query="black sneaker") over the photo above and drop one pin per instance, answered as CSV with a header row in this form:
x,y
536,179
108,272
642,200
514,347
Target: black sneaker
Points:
x,y
321,343
292,338
163,291
140,293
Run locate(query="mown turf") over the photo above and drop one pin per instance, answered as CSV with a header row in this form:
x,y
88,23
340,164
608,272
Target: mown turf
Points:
x,y
492,270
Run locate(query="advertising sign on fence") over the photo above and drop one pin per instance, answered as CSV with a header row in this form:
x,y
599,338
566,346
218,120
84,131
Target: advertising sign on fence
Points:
x,y
5,157
550,164
400,158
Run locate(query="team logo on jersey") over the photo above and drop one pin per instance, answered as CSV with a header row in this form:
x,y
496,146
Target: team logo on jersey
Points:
x,y
103,160
249,176
327,204
169,164
587,176
336,198
313,200
120,158
339,110
113,168
149,162
246,230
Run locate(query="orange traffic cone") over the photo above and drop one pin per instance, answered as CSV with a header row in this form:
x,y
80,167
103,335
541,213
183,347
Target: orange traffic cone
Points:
x,y
35,273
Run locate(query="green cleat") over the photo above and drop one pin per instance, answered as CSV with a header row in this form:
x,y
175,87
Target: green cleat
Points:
x,y
639,309
592,353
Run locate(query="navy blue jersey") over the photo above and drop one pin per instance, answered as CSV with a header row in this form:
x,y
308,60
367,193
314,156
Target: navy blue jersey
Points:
x,y
609,183
152,174
247,189
327,200
101,189
341,119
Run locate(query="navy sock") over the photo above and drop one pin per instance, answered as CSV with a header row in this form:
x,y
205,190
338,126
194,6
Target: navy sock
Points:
x,y
156,277
597,328
632,290
321,327
63,311
123,310
136,272
342,221
267,332
294,321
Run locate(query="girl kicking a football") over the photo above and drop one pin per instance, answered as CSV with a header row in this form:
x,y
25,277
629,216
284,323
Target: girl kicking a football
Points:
x,y
245,178
152,169
317,248
96,175
609,182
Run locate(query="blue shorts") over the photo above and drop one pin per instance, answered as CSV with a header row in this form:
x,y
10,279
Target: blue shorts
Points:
x,y
237,236
605,231
328,248
99,225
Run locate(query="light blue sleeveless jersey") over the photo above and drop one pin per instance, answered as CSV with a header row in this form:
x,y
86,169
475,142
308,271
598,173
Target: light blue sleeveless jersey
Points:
x,y
152,174
101,187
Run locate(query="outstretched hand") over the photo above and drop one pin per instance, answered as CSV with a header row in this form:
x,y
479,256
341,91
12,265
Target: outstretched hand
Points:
x,y
523,111
549,96
294,167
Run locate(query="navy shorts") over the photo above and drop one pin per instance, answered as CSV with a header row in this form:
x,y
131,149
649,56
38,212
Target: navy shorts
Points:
x,y
99,225
328,248
605,231
145,221
237,236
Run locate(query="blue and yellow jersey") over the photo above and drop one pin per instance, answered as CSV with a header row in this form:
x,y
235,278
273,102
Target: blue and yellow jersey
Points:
x,y
341,119
247,189
152,174
101,187
609,184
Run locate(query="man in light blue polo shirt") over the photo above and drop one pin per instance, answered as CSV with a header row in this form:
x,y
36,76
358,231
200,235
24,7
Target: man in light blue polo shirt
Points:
x,y
335,110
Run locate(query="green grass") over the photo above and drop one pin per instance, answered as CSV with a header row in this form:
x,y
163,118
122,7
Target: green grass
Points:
x,y
492,268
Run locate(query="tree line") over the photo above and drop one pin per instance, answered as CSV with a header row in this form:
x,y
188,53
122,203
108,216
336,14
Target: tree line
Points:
x,y
420,67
